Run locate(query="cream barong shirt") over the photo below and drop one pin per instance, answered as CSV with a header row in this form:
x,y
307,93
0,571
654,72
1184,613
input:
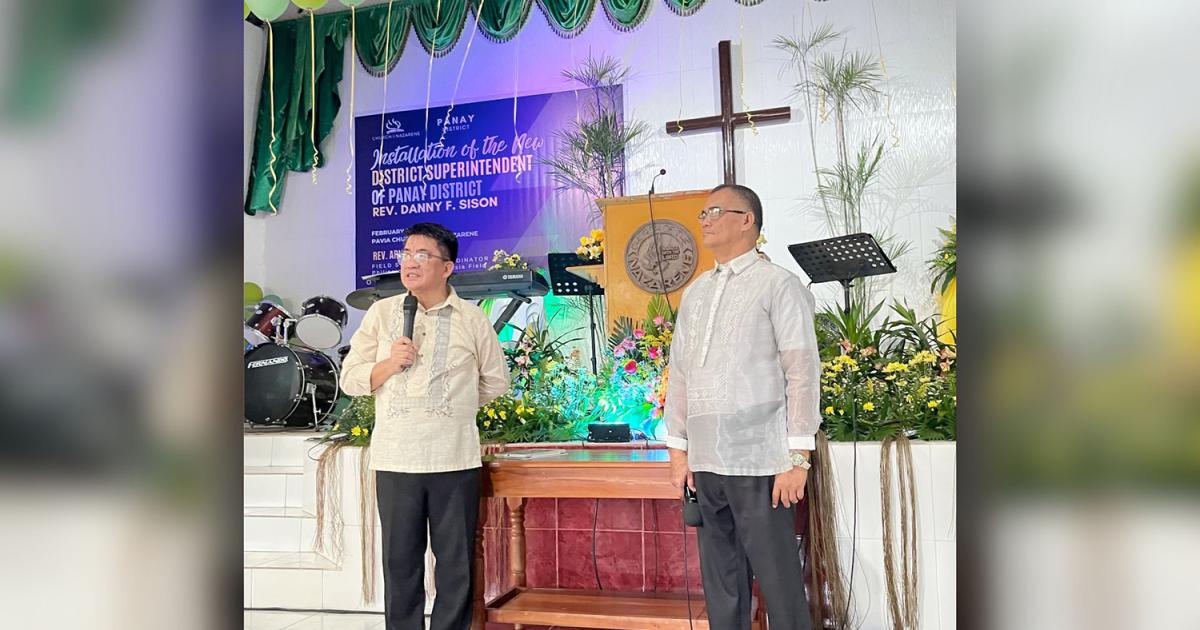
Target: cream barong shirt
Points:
x,y
745,375
425,415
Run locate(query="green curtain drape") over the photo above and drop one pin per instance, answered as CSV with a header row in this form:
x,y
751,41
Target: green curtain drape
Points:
x,y
293,103
500,20
376,52
438,25
625,15
684,7
568,17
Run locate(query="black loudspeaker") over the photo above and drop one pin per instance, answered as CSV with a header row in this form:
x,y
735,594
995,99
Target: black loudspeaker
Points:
x,y
608,432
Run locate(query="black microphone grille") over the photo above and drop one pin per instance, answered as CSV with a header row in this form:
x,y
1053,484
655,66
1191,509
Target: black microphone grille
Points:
x,y
662,171
410,302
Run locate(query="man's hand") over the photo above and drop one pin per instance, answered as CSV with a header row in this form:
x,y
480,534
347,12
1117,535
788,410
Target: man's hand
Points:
x,y
679,470
404,353
789,487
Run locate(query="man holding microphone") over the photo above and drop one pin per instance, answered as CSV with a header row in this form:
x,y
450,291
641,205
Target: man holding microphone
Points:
x,y
428,388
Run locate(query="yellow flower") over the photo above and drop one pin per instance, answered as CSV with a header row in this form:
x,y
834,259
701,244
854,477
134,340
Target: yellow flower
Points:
x,y
845,359
908,398
503,416
487,423
923,356
829,410
869,406
597,234
581,251
841,412
895,367
336,427
933,404
529,409
520,409
491,413
366,431
355,431
583,240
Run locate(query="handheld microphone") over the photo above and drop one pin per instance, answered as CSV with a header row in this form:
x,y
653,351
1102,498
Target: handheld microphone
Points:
x,y
410,313
691,508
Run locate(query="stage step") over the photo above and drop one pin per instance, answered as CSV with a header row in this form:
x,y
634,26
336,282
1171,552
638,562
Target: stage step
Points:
x,y
281,568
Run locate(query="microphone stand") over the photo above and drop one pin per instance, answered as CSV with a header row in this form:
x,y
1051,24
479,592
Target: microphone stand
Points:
x,y
662,283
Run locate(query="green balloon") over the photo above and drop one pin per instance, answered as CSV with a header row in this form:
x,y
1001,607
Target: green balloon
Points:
x,y
311,5
274,299
251,293
245,10
267,10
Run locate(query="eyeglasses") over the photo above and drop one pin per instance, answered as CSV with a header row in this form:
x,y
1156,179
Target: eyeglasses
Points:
x,y
716,212
418,257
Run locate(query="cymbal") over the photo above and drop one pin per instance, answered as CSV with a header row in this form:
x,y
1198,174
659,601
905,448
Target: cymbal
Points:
x,y
362,299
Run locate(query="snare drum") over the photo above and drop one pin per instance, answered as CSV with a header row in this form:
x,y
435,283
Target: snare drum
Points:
x,y
320,325
287,385
267,321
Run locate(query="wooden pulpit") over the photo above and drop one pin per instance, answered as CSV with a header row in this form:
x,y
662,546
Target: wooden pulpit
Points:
x,y
633,245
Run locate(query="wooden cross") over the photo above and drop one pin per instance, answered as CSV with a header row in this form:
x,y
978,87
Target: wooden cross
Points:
x,y
728,120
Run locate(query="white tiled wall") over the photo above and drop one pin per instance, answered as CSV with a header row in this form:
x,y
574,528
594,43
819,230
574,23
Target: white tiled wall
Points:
x,y
933,472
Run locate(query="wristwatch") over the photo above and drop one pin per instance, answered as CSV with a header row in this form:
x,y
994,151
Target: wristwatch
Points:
x,y
798,459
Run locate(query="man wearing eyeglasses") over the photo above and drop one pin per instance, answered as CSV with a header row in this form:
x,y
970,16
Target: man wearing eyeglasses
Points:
x,y
425,447
741,411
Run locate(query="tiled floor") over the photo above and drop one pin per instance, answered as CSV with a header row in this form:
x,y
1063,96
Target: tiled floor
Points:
x,y
278,620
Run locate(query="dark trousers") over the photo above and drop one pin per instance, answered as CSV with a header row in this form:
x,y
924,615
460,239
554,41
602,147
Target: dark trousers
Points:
x,y
744,538
448,505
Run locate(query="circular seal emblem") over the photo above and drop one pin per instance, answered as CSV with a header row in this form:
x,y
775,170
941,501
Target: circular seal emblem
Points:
x,y
678,249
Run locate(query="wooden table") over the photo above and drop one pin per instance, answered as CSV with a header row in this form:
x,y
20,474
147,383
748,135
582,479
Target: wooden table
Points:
x,y
590,474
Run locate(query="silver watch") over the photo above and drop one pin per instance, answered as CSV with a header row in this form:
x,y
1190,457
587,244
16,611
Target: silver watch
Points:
x,y
798,459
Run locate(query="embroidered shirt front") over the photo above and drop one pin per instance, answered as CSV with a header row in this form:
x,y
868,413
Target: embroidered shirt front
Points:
x,y
425,415
744,383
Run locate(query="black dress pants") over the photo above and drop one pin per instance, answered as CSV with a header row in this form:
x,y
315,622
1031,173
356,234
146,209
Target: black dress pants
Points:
x,y
447,504
740,525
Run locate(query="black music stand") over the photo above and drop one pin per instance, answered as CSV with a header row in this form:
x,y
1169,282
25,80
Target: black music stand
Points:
x,y
842,258
563,282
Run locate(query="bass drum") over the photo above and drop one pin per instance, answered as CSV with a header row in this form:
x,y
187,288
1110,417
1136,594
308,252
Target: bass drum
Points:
x,y
282,382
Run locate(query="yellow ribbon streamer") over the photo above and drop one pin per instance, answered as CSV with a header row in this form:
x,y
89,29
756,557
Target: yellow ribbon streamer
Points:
x,y
437,18
742,69
350,137
271,84
454,95
387,48
312,90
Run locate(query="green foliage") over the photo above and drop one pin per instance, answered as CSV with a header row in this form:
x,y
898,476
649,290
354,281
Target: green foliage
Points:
x,y
944,264
591,152
896,377
354,420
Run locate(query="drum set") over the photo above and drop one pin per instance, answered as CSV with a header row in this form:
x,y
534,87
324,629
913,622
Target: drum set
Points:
x,y
290,380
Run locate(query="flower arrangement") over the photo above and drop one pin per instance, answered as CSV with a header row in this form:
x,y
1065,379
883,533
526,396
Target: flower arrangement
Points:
x,y
504,260
591,247
354,423
636,370
896,378
552,394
